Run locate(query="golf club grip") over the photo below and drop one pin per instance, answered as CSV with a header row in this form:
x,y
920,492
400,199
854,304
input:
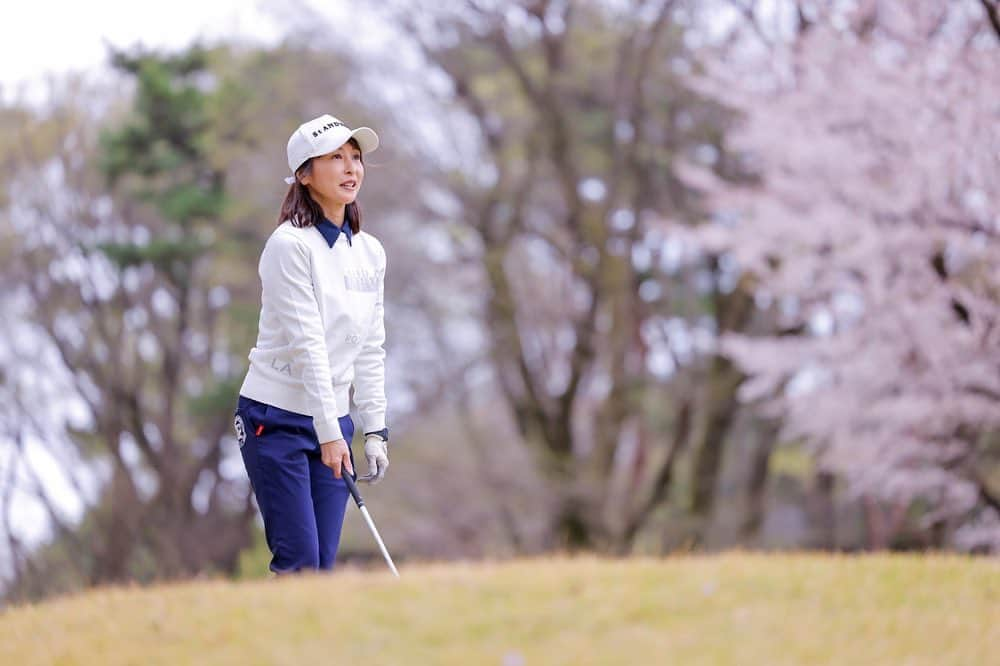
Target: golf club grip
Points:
x,y
353,487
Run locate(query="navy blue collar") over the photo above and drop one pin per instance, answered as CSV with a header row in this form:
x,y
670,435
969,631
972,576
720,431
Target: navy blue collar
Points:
x,y
330,231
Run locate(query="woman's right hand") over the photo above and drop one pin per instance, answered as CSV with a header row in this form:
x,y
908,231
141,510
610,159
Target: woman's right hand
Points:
x,y
336,456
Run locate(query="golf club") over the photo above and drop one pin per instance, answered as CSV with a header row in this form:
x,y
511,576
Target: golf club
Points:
x,y
368,519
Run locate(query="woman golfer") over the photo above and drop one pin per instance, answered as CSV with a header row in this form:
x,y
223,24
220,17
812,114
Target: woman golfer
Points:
x,y
321,331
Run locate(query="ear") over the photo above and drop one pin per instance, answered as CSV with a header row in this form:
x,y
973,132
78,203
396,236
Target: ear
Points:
x,y
305,179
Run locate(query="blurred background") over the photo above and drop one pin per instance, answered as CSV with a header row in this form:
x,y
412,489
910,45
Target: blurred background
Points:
x,y
663,275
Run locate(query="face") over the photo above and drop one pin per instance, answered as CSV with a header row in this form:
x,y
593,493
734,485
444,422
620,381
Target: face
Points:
x,y
336,177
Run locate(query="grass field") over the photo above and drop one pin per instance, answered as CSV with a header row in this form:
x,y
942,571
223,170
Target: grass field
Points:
x,y
719,609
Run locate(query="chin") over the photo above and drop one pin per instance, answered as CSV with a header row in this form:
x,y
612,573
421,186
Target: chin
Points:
x,y
341,199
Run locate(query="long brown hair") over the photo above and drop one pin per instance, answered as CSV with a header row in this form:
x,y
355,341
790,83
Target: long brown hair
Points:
x,y
302,210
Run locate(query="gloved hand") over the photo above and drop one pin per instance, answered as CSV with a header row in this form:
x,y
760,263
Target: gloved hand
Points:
x,y
377,454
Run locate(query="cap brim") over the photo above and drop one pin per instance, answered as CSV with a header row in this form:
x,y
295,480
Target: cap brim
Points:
x,y
366,138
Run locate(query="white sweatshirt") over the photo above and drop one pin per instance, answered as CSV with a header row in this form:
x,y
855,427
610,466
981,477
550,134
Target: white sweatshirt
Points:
x,y
321,327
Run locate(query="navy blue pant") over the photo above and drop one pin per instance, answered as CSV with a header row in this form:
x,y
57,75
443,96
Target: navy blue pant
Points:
x,y
302,503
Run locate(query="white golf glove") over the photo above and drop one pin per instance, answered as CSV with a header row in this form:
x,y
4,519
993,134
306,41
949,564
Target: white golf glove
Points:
x,y
377,454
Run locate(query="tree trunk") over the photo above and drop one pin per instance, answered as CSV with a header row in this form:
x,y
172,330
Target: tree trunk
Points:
x,y
720,409
766,438
825,532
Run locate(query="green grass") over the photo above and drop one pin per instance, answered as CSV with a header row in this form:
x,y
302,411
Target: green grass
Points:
x,y
728,609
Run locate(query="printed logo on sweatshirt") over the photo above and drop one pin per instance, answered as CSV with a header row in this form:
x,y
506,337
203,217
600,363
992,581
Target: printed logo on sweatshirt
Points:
x,y
284,366
360,279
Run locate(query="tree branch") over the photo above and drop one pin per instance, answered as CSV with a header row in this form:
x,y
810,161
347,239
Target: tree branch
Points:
x,y
662,481
992,8
749,12
547,104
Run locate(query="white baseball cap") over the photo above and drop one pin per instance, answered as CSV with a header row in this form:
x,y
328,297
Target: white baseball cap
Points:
x,y
323,135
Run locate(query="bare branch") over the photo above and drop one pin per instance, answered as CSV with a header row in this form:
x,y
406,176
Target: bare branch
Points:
x,y
63,529
662,482
6,501
992,8
748,9
546,101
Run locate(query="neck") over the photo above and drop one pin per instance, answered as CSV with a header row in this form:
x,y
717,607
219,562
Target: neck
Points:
x,y
331,209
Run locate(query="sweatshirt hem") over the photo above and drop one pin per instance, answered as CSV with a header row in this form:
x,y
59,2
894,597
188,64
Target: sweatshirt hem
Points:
x,y
290,398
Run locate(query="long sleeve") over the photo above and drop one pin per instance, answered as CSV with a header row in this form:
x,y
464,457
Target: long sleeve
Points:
x,y
369,367
286,280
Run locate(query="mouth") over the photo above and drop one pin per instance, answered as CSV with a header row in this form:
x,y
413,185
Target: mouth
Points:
x,y
350,185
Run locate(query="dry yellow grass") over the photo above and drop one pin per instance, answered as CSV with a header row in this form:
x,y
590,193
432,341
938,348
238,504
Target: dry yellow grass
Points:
x,y
727,609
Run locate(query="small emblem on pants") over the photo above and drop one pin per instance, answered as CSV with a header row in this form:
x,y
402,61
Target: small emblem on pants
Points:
x,y
241,433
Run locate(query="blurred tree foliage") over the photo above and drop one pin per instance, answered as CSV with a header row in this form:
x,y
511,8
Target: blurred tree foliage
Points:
x,y
137,325
141,213
580,110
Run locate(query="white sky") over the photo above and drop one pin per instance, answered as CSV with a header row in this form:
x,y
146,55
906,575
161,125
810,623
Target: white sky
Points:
x,y
39,36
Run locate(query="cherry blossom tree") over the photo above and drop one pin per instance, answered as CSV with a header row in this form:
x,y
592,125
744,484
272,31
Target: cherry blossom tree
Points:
x,y
872,236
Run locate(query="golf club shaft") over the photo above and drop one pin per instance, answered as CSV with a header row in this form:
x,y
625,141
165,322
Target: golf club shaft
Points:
x,y
353,487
